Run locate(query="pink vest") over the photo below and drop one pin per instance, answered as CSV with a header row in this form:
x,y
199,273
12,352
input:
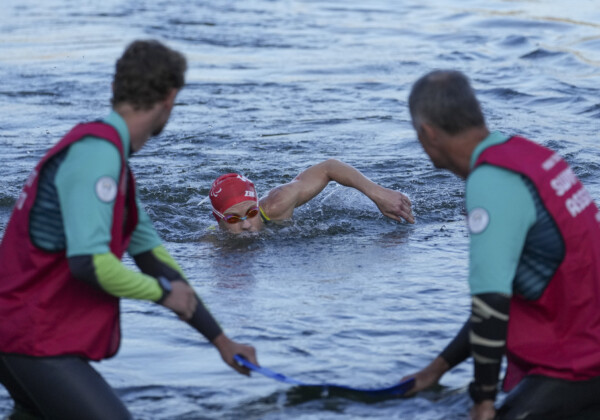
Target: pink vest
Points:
x,y
44,310
557,335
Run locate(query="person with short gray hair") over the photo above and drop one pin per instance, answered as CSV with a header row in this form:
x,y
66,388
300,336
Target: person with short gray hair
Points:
x,y
534,265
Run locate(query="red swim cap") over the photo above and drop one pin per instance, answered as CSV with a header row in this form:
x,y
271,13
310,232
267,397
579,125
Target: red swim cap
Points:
x,y
229,190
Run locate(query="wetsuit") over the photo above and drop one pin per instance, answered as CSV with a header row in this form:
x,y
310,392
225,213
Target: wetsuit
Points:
x,y
73,218
516,249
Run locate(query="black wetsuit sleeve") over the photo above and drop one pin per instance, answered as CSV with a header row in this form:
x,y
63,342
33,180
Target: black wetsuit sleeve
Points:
x,y
107,273
459,348
82,268
149,264
489,323
202,320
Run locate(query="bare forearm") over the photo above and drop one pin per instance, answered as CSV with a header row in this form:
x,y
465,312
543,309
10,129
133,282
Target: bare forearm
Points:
x,y
439,366
309,183
392,204
281,201
348,176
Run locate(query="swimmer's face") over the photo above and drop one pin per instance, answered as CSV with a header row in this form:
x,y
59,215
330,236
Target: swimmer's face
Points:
x,y
250,224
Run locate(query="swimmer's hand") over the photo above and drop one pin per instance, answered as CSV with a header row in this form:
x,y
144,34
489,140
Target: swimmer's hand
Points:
x,y
229,348
483,411
428,376
393,204
181,300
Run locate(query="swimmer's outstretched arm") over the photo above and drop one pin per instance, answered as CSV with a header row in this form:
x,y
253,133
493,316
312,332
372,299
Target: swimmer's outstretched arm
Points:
x,y
280,202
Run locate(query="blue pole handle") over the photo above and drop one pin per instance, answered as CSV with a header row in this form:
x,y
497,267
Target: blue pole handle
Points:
x,y
397,390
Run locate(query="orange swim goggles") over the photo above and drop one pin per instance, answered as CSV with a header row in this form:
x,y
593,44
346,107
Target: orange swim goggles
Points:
x,y
233,218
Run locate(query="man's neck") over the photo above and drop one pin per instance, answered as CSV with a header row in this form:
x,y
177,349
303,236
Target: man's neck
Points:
x,y
461,147
137,124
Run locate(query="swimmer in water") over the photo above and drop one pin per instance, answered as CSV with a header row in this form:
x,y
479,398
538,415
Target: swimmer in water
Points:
x,y
238,209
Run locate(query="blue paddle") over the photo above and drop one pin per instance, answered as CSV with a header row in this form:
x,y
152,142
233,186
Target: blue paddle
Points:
x,y
397,390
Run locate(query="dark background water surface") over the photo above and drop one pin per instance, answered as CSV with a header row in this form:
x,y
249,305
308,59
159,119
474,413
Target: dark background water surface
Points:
x,y
342,294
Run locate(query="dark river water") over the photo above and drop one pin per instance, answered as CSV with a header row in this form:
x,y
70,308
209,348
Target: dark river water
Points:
x,y
341,294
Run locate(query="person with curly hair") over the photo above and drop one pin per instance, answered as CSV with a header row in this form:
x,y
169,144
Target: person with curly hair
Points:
x,y
62,277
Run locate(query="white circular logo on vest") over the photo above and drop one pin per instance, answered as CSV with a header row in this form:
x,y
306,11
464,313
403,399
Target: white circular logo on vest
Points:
x,y
106,189
478,220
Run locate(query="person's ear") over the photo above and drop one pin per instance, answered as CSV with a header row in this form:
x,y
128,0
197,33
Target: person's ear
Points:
x,y
429,131
170,99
